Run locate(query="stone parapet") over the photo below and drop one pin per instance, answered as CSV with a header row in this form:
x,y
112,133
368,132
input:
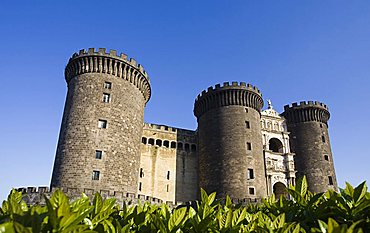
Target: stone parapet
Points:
x,y
241,94
306,111
36,196
100,61
169,129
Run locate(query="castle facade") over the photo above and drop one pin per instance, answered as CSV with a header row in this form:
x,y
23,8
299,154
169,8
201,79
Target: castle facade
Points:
x,y
239,149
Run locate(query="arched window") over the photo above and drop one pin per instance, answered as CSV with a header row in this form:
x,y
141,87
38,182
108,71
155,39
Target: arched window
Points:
x,y
173,144
143,140
166,144
179,146
187,147
151,141
158,142
275,145
193,148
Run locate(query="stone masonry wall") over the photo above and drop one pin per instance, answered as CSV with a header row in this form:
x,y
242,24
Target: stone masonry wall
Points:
x,y
309,140
168,168
80,136
230,141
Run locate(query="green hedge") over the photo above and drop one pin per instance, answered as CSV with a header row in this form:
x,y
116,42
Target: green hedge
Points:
x,y
347,211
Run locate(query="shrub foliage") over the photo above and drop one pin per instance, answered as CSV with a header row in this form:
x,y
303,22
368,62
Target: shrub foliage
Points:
x,y
347,211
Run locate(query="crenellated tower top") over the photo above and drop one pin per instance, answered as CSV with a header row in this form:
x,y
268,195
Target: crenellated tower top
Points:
x,y
306,111
100,61
229,94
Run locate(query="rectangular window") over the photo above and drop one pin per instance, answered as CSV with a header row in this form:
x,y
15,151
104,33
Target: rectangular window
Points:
x,y
98,154
251,191
96,175
326,157
249,146
106,97
250,173
247,125
108,85
330,180
246,110
141,173
323,138
102,124
168,175
168,188
140,186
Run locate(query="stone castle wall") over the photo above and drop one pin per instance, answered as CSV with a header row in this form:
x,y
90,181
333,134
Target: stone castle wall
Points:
x,y
104,145
169,163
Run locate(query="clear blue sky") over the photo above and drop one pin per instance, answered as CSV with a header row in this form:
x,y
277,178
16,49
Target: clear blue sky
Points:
x,y
291,50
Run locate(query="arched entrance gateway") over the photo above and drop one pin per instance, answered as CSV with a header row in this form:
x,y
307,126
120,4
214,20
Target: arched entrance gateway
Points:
x,y
275,145
280,189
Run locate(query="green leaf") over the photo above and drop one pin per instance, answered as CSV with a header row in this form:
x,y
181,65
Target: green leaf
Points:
x,y
303,186
7,227
333,226
58,198
349,190
228,201
75,218
227,219
192,212
297,228
176,218
80,203
359,192
98,203
108,204
101,217
238,216
78,229
139,218
279,221
351,229
211,198
52,215
204,196
323,226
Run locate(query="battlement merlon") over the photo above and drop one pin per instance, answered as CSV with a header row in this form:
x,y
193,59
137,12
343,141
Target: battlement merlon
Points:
x,y
100,61
242,94
227,85
169,129
34,195
306,111
305,104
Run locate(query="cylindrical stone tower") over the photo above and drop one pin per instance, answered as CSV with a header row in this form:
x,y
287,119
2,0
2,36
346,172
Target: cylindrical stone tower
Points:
x,y
230,142
309,139
99,141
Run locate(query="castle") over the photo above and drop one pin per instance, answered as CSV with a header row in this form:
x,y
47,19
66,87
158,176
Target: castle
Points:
x,y
238,149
